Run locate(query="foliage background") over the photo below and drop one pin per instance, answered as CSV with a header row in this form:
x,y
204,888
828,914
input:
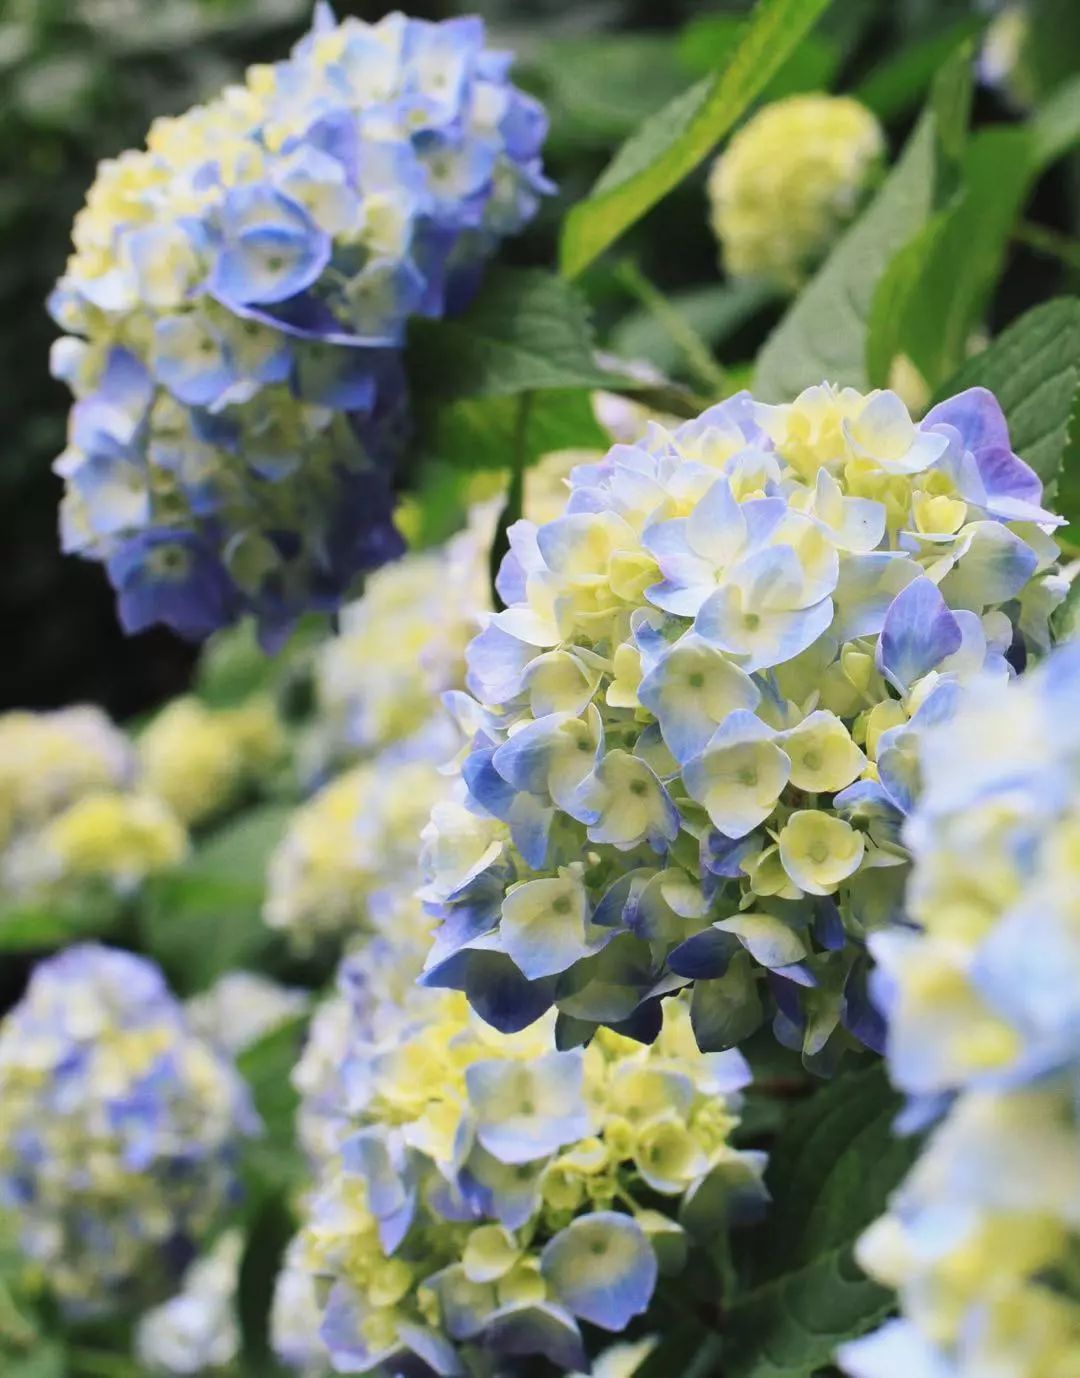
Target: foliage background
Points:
x,y
81,79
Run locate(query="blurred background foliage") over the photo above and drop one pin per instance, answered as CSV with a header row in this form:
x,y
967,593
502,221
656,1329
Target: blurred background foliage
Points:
x,y
81,80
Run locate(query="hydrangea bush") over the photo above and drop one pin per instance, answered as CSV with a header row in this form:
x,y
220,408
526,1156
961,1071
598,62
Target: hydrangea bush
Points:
x,y
983,1003
236,305
122,1128
688,842
693,726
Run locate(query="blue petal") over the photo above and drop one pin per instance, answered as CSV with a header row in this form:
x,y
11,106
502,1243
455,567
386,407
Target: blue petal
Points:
x,y
919,632
602,1268
542,1328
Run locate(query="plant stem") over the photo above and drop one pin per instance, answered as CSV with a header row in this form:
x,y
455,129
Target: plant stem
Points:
x,y
706,1360
1049,242
707,372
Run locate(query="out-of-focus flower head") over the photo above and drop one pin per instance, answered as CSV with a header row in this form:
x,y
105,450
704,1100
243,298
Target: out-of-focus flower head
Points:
x,y
692,729
242,1007
236,304
789,181
1003,60
986,992
296,1317
74,809
402,644
358,835
121,1128
980,1242
983,1003
197,1331
201,759
488,1193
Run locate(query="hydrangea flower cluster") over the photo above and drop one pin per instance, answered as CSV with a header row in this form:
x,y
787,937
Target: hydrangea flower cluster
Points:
x,y
692,728
236,305
74,809
198,1330
243,1007
121,1128
354,839
789,181
414,621
489,1193
200,760
983,1001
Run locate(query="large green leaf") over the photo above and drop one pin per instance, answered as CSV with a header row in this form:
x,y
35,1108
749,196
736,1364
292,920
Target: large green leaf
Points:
x,y
676,139
823,335
1033,368
713,313
936,290
708,41
830,1173
480,432
902,78
599,87
206,917
527,330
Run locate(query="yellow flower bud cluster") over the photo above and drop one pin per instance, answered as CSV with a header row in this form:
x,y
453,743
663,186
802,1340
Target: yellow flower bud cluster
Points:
x,y
789,181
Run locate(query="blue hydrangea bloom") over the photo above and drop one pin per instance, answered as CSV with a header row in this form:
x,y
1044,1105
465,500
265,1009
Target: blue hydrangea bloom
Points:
x,y
982,996
121,1128
236,306
693,729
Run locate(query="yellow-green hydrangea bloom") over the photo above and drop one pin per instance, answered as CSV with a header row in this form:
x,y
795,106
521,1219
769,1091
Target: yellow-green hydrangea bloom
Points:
x,y
200,760
789,181
76,812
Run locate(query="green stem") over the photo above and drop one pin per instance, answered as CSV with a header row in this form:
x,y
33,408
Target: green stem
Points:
x,y
705,1363
1049,242
707,372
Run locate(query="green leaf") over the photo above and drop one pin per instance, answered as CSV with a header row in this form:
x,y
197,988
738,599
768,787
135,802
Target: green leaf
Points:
x,y
48,1360
272,1162
707,42
31,928
527,331
936,291
901,80
713,313
824,334
1033,368
206,917
830,1173
1055,127
937,288
479,432
599,87
676,139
